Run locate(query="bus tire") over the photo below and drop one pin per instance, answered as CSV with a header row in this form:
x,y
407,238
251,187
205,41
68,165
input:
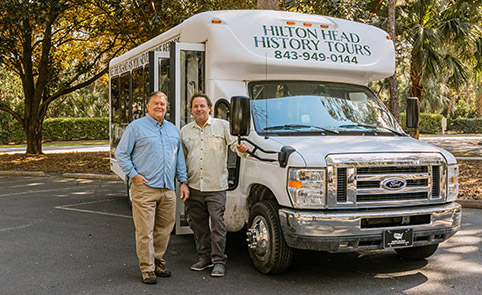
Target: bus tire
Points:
x,y
417,253
266,245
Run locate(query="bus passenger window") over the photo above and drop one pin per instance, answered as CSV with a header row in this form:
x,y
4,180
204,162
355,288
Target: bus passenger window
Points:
x,y
125,100
115,100
138,105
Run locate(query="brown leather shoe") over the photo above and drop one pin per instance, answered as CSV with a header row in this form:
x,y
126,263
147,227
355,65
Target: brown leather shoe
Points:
x,y
149,277
161,269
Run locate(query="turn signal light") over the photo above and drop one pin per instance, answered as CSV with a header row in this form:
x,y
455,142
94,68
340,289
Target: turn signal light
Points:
x,y
294,184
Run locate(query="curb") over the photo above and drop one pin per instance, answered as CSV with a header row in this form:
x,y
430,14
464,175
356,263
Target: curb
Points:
x,y
22,173
469,158
65,175
91,176
476,204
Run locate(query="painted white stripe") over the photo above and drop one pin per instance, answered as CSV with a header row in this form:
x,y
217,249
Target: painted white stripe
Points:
x,y
69,207
46,191
32,192
16,227
95,212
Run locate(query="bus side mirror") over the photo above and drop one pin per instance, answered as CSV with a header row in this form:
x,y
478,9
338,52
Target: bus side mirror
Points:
x,y
240,115
413,112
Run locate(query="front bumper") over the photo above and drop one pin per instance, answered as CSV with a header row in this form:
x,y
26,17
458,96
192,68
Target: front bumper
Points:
x,y
355,230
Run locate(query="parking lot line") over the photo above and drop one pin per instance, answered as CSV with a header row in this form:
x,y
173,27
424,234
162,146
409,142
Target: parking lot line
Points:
x,y
15,227
69,207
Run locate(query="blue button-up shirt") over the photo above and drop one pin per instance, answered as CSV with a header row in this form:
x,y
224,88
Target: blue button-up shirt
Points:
x,y
152,150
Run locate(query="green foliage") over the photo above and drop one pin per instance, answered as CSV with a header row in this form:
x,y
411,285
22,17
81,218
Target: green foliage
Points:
x,y
16,132
465,125
10,96
442,51
464,108
429,123
65,129
91,101
3,137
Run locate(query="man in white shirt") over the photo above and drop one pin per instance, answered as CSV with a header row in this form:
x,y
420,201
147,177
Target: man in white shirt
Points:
x,y
205,142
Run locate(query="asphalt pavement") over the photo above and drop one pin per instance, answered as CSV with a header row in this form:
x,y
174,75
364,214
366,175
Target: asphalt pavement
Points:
x,y
66,236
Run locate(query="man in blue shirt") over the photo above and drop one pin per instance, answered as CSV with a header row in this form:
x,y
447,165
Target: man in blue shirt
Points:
x,y
150,154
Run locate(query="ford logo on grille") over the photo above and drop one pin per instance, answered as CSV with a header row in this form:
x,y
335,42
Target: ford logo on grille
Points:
x,y
394,183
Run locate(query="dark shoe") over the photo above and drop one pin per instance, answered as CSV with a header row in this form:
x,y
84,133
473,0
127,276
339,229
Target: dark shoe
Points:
x,y
218,270
202,264
149,277
161,269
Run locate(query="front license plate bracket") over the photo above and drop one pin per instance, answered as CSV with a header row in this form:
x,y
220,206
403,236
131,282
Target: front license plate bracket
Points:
x,y
397,238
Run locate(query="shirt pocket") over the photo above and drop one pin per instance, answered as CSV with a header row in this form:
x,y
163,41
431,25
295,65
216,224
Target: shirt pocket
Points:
x,y
190,143
147,141
216,140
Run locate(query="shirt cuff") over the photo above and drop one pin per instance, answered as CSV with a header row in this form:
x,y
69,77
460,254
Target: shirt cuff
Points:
x,y
132,173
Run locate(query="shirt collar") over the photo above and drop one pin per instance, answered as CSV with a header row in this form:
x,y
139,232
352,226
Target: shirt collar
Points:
x,y
208,122
154,121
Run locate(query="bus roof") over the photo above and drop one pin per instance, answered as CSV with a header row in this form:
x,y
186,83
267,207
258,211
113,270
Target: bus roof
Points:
x,y
265,44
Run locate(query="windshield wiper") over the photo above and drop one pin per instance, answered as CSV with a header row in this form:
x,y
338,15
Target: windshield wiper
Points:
x,y
373,127
298,126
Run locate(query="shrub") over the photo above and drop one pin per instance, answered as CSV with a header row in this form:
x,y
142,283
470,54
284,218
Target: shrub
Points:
x,y
429,123
56,129
3,137
465,125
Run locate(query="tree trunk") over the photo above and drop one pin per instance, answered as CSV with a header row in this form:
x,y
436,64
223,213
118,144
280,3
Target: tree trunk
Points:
x,y
417,87
392,81
478,102
33,132
416,78
267,4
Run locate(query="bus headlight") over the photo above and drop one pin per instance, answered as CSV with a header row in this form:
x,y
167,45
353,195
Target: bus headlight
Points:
x,y
306,187
452,182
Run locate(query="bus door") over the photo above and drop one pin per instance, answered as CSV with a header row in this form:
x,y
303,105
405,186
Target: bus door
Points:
x,y
187,78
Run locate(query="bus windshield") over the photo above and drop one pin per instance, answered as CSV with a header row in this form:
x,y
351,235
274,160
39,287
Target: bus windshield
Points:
x,y
305,106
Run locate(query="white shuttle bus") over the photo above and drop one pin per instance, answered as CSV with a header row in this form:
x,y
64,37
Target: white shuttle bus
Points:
x,y
330,169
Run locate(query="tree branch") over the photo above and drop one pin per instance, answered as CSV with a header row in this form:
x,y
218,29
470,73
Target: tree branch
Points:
x,y
11,112
73,88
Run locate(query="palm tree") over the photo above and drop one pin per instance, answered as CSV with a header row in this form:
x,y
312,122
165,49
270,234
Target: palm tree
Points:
x,y
392,81
442,36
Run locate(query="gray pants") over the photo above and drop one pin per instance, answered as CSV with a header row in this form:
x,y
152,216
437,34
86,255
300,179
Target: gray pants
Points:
x,y
202,206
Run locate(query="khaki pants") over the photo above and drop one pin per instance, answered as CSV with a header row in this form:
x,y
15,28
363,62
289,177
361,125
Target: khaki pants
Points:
x,y
154,213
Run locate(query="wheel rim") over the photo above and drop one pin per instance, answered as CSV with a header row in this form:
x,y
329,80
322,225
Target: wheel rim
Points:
x,y
258,237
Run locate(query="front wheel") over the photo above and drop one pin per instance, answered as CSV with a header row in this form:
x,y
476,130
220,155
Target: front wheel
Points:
x,y
417,253
266,245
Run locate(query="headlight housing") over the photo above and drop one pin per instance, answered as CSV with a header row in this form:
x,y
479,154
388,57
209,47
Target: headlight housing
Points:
x,y
307,187
452,182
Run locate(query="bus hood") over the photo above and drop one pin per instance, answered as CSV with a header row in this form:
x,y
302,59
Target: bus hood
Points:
x,y
314,149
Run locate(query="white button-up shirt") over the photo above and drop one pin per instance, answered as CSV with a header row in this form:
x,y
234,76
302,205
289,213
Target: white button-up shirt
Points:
x,y
205,149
